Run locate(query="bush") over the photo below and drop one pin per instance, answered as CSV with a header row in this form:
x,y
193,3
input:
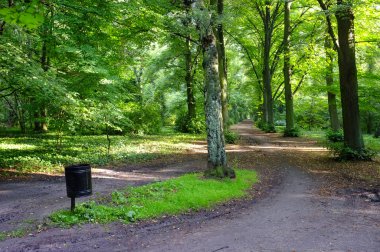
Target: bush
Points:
x,y
335,136
294,132
143,119
230,137
265,127
377,133
186,125
344,153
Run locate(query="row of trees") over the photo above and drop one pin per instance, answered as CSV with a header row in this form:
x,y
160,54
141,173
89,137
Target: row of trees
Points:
x,y
132,66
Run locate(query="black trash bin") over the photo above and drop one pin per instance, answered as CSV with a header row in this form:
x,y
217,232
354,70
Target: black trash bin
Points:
x,y
78,181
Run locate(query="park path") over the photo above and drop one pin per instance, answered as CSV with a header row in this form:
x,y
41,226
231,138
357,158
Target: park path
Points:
x,y
291,217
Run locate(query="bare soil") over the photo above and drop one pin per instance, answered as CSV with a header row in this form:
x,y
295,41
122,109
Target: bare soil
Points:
x,y
304,202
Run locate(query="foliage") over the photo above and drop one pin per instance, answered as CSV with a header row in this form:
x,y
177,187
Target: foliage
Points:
x,y
187,125
294,132
344,153
144,119
335,136
174,196
265,127
231,137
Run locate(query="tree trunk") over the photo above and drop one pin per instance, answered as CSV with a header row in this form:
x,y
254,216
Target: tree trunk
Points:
x,y
217,159
348,76
267,75
287,72
222,61
333,111
191,105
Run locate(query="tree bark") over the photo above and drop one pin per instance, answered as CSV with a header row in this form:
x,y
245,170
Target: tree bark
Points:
x,y
331,97
217,159
267,75
287,71
222,61
40,123
348,76
191,105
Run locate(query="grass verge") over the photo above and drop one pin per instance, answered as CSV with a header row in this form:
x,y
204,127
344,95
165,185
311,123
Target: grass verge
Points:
x,y
174,196
320,136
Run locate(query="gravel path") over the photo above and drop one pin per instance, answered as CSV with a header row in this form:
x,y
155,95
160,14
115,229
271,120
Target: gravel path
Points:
x,y
292,216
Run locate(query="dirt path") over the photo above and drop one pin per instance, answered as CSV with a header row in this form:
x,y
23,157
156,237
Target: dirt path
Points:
x,y
291,217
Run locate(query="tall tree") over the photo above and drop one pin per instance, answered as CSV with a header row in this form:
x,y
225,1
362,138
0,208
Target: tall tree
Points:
x,y
269,14
287,72
191,105
222,61
217,159
345,45
329,76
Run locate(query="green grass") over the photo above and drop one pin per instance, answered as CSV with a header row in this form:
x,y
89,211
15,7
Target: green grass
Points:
x,y
13,234
320,135
40,152
171,197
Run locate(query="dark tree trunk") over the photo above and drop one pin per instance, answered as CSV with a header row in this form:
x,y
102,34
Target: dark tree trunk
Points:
x,y
191,105
287,71
40,123
333,111
348,76
222,66
267,75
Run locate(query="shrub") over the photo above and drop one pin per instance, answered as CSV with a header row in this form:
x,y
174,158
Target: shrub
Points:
x,y
186,125
344,153
265,127
294,132
143,119
335,136
230,137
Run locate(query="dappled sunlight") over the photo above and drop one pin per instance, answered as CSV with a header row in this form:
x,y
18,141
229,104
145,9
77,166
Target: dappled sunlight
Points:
x,y
120,175
21,146
320,172
293,148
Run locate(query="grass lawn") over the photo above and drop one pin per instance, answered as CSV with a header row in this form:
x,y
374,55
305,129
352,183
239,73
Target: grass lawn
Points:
x,y
319,135
174,196
41,153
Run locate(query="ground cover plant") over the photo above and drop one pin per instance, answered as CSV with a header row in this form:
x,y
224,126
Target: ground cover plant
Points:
x,y
369,140
40,153
174,196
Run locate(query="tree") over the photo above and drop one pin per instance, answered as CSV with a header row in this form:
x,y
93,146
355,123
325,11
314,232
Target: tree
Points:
x,y
287,73
329,76
217,159
345,46
222,61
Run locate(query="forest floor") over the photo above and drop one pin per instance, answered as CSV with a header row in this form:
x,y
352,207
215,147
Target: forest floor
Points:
x,y
305,202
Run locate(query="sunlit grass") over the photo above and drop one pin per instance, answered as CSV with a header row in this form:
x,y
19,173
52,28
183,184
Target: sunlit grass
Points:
x,y
320,136
42,153
171,197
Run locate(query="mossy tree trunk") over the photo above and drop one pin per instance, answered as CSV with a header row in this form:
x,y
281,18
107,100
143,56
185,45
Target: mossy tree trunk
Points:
x,y
217,159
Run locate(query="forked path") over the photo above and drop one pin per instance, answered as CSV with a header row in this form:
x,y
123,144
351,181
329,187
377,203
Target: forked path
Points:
x,y
291,217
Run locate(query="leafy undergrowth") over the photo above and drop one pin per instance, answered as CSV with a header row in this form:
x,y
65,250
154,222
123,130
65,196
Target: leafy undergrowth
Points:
x,y
369,141
174,196
40,153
